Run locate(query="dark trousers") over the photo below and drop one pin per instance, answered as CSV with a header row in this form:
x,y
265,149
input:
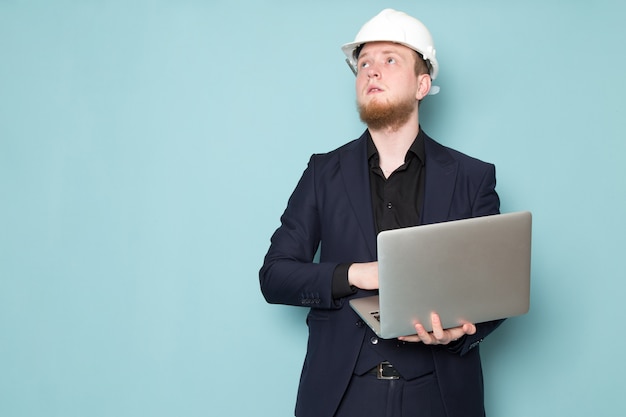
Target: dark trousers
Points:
x,y
368,396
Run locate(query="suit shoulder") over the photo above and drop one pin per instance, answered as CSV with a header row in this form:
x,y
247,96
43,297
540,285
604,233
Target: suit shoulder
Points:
x,y
321,159
441,152
350,146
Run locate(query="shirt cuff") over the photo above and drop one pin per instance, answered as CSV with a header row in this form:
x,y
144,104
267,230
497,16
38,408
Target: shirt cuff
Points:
x,y
341,287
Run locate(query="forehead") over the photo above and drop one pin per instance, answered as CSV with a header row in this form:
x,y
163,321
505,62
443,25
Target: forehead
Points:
x,y
384,47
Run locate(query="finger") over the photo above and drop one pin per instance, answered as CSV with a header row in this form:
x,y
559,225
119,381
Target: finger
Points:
x,y
412,339
423,335
469,328
438,331
456,333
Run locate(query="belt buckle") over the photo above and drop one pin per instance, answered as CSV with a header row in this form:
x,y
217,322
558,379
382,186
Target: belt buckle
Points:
x,y
381,369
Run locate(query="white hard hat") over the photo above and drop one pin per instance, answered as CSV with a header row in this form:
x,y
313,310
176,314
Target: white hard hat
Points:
x,y
398,27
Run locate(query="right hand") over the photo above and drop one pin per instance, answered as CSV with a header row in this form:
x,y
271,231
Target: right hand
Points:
x,y
364,275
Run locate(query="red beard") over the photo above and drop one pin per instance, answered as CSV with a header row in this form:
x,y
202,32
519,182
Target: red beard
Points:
x,y
384,115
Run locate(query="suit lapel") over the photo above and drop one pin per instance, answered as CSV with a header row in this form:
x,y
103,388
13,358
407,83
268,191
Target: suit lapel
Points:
x,y
354,170
441,172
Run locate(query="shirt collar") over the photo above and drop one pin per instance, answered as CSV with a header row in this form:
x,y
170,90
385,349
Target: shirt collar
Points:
x,y
416,148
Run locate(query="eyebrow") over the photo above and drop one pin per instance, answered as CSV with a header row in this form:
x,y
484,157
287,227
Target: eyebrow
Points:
x,y
384,52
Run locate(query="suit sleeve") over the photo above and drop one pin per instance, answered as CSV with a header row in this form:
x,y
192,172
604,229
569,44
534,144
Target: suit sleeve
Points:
x,y
485,202
289,275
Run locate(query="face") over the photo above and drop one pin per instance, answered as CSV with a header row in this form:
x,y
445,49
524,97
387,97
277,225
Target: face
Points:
x,y
387,87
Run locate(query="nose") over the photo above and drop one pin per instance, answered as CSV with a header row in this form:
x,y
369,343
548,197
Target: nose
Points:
x,y
373,71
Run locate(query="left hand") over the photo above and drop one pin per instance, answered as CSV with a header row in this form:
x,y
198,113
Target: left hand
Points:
x,y
439,336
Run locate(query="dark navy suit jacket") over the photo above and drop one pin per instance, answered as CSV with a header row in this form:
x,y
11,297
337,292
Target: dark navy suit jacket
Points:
x,y
331,208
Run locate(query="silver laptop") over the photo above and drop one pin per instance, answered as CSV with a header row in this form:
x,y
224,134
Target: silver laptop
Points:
x,y
471,270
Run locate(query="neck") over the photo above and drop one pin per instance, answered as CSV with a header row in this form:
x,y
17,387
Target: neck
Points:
x,y
393,144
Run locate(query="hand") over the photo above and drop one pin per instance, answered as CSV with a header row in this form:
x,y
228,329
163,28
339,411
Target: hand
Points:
x,y
364,275
438,336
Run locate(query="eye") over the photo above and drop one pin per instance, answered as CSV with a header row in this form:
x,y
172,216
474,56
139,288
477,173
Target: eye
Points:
x,y
364,64
391,60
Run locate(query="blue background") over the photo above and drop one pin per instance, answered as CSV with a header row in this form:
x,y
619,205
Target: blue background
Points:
x,y
148,148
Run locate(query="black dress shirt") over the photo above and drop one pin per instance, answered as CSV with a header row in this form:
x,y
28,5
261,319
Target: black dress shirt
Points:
x,y
397,200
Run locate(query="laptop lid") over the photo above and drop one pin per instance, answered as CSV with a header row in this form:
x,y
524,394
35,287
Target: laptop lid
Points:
x,y
471,270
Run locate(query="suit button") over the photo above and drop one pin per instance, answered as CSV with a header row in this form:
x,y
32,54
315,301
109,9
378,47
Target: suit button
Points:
x,y
374,340
359,323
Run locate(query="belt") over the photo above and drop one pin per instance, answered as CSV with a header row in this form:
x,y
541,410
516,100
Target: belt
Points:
x,y
385,370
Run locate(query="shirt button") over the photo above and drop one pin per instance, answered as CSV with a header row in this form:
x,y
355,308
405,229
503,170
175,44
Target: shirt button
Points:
x,y
374,340
389,205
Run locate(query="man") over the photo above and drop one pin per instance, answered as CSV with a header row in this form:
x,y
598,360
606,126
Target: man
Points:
x,y
393,176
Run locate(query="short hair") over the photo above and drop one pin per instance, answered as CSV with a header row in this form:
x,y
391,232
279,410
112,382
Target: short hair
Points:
x,y
422,66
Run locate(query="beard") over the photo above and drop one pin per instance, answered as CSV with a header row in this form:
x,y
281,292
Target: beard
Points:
x,y
385,115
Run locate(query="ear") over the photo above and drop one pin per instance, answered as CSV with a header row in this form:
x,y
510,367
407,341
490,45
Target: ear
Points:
x,y
423,86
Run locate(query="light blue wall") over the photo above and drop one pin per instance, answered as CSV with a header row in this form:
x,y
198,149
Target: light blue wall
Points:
x,y
147,150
